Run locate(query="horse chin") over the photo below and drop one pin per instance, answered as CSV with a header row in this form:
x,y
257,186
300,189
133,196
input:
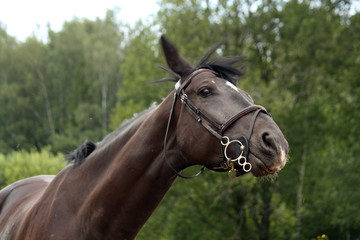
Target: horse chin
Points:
x,y
240,173
259,169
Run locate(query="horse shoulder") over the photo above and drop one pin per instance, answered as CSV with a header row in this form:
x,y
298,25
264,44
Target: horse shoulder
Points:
x,y
16,199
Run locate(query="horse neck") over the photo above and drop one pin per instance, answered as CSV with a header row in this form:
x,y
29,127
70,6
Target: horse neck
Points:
x,y
129,176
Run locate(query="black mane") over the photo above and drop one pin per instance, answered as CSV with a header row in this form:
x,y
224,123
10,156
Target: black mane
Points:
x,y
79,155
229,68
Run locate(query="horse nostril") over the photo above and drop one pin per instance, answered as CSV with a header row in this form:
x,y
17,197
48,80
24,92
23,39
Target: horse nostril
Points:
x,y
268,141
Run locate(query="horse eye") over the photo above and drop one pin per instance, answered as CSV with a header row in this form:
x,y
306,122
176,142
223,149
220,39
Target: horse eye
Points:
x,y
205,92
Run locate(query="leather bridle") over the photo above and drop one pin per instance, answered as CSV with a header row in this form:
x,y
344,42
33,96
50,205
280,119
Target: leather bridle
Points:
x,y
215,128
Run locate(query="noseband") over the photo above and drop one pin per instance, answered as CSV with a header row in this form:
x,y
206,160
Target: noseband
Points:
x,y
216,129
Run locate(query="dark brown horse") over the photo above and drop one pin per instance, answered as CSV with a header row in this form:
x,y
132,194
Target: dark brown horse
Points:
x,y
112,187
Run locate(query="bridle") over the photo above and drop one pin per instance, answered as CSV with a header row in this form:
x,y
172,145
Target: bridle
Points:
x,y
215,128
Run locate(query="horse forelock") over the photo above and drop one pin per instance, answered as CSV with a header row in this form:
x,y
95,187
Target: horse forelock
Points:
x,y
228,68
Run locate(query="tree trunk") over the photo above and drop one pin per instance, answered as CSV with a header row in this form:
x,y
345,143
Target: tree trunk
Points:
x,y
47,103
104,102
299,195
267,189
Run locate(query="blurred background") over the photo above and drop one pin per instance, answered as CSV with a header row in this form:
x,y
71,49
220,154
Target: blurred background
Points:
x,y
80,80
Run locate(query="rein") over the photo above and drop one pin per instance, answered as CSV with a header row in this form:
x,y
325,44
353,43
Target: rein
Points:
x,y
215,129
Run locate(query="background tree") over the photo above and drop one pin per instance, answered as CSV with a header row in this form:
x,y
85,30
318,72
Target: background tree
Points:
x,y
302,64
21,164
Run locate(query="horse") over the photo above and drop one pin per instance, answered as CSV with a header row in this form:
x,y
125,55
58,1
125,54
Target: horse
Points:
x,y
112,187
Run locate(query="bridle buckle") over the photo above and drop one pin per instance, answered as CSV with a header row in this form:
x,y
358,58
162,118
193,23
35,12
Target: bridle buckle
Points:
x,y
183,97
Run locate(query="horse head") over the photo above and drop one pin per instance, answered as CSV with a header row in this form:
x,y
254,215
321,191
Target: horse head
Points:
x,y
218,125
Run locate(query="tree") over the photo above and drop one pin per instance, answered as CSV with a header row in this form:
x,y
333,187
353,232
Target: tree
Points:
x,y
21,164
302,65
138,70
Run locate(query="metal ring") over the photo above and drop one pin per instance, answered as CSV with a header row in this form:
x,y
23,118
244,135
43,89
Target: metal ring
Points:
x,y
228,144
227,140
247,167
241,160
226,147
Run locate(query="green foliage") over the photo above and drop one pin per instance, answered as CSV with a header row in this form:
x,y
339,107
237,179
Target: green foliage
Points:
x,y
184,22
299,57
21,164
302,64
138,70
63,89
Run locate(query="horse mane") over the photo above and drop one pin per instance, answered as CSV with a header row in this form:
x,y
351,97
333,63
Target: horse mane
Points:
x,y
79,155
125,124
227,67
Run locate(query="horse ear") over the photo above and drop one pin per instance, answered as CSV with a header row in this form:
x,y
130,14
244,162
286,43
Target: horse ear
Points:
x,y
174,59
